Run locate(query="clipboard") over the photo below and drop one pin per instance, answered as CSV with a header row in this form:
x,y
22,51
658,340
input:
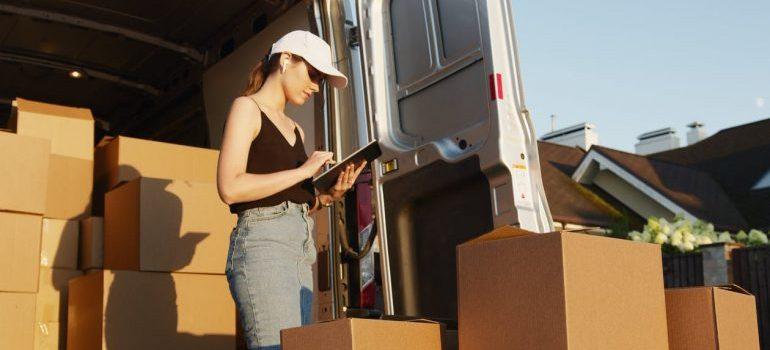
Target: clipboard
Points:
x,y
328,178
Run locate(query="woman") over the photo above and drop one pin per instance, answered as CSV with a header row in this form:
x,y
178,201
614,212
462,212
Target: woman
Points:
x,y
264,176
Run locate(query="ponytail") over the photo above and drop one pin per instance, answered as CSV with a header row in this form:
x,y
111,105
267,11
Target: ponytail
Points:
x,y
260,72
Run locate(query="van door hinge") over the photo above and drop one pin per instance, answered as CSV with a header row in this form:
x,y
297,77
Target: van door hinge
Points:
x,y
354,37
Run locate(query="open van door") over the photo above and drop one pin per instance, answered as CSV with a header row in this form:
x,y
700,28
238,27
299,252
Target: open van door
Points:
x,y
437,83
444,98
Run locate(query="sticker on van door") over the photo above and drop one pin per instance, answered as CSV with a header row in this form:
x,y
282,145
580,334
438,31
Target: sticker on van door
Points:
x,y
521,185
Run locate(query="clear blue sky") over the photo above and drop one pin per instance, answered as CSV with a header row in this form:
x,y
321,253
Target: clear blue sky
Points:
x,y
634,66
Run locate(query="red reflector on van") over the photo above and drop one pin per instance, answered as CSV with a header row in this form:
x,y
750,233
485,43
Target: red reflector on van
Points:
x,y
496,86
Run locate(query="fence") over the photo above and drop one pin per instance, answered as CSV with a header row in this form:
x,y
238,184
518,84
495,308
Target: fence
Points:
x,y
751,270
682,270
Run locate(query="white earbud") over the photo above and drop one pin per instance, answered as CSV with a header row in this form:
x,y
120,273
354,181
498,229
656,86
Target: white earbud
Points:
x,y
283,68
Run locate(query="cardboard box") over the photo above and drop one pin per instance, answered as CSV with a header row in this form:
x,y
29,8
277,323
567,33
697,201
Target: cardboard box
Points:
x,y
24,181
125,159
17,323
360,334
149,310
91,248
51,298
48,336
59,247
703,318
70,187
560,290
19,252
70,130
164,225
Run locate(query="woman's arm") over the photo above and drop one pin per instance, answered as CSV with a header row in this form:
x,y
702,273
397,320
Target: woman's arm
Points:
x,y
234,184
344,183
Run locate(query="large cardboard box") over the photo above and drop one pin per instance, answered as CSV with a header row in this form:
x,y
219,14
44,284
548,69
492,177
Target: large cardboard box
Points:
x,y
560,290
718,318
91,248
48,337
59,247
19,252
18,320
150,310
70,129
70,185
71,134
24,179
125,159
363,334
51,298
165,225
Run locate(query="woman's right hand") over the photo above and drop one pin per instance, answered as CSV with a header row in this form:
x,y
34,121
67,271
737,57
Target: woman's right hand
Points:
x,y
314,163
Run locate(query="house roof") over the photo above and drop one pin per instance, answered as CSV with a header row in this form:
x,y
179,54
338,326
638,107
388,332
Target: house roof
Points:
x,y
713,179
737,158
725,143
689,188
569,201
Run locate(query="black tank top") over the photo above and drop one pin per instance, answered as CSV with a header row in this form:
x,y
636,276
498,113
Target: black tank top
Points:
x,y
270,152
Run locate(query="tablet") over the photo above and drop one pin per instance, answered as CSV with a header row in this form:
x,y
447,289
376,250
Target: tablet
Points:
x,y
329,177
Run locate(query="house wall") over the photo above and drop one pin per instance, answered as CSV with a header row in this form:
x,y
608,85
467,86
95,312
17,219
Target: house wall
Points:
x,y
630,196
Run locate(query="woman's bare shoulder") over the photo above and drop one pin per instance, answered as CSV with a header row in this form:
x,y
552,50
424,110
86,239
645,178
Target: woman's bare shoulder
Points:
x,y
245,103
243,115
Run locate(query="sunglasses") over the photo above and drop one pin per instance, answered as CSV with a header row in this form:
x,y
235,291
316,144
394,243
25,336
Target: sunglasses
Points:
x,y
315,75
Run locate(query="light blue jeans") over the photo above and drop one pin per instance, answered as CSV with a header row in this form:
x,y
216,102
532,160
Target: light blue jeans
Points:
x,y
269,269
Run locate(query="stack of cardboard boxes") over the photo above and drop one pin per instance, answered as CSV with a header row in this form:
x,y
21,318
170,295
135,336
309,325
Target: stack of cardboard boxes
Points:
x,y
48,151
155,263
560,290
142,269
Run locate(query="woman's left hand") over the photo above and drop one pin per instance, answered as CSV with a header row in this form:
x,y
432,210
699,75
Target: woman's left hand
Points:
x,y
345,181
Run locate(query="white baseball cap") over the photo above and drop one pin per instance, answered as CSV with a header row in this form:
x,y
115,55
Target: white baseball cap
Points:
x,y
314,50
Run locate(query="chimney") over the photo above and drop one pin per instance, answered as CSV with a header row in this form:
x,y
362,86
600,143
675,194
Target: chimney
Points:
x,y
581,135
696,133
657,141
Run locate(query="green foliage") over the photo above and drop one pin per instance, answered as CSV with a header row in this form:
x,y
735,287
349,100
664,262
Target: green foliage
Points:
x,y
683,235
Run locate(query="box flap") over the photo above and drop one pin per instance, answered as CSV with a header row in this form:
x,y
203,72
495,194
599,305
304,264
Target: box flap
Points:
x,y
500,233
396,319
734,288
735,318
509,231
51,109
105,140
408,319
728,287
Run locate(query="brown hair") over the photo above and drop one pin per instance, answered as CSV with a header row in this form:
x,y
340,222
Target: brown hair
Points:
x,y
260,72
263,68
